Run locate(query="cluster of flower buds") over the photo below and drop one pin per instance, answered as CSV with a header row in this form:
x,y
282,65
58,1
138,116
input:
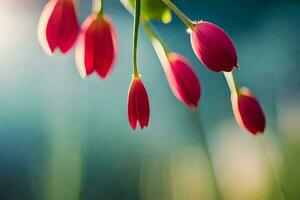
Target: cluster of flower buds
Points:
x,y
96,51
96,46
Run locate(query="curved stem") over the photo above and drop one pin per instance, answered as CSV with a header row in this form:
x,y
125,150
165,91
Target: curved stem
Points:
x,y
180,14
154,39
160,50
135,36
231,82
272,169
204,143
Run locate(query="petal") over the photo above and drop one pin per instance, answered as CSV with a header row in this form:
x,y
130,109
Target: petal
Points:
x,y
69,26
85,48
142,105
90,45
132,116
48,27
79,55
106,47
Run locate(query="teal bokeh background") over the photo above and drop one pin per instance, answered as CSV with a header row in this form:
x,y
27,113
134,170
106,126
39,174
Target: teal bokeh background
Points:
x,y
62,137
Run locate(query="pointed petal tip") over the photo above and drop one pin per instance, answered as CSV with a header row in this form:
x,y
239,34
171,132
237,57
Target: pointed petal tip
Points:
x,y
48,52
82,76
256,133
64,50
260,133
102,76
144,125
133,127
193,107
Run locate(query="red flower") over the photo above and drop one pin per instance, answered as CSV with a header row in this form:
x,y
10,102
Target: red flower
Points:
x,y
182,80
138,104
58,26
97,46
248,112
213,47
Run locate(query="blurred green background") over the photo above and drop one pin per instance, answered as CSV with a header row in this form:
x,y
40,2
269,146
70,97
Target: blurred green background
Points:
x,y
64,138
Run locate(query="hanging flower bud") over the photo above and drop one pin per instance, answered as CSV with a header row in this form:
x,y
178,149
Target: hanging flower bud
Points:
x,y
97,46
58,26
247,111
213,47
138,104
182,79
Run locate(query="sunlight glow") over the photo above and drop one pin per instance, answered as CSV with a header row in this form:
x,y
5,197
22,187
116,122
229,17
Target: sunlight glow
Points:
x,y
9,26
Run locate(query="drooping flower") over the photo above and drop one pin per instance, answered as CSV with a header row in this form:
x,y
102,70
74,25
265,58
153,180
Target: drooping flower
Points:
x,y
97,46
182,79
58,26
247,111
213,47
138,104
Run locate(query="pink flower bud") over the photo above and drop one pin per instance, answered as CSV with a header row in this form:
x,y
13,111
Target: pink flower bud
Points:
x,y
182,79
97,46
213,47
138,104
58,26
247,111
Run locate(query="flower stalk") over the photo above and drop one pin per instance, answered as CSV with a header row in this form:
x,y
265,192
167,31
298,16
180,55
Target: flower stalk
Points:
x,y
98,7
189,23
231,82
204,144
160,49
137,15
272,169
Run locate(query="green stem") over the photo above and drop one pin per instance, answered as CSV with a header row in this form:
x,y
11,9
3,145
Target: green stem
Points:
x,y
272,169
102,8
157,44
204,144
180,14
161,51
135,36
231,82
154,39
